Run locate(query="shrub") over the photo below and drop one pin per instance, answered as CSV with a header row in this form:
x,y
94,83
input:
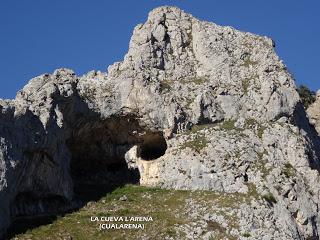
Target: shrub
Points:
x,y
307,96
246,235
270,198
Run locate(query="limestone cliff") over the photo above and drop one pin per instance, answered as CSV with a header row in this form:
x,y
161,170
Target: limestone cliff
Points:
x,y
314,113
193,105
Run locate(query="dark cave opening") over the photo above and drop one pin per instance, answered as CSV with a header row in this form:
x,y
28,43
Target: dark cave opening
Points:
x,y
153,147
98,163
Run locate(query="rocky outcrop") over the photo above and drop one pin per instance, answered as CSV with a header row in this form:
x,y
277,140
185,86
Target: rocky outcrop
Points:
x,y
193,105
314,113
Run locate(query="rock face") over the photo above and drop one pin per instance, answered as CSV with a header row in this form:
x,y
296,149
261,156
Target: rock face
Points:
x,y
193,105
314,113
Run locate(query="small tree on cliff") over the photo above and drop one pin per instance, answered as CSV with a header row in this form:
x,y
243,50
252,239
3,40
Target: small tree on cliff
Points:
x,y
307,96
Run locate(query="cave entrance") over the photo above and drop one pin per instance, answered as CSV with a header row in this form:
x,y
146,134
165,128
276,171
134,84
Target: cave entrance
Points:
x,y
98,163
152,147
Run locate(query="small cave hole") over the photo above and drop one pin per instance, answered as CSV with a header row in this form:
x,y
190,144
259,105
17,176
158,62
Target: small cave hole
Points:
x,y
153,147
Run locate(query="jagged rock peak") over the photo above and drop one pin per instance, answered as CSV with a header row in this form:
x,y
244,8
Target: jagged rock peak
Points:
x,y
193,105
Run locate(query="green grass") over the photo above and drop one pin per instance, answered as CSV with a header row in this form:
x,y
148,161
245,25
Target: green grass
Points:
x,y
252,191
216,227
288,170
197,144
247,81
269,198
197,128
228,125
261,131
245,85
250,122
260,164
77,225
168,208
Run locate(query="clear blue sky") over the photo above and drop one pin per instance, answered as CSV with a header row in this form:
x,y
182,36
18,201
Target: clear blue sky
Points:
x,y
38,36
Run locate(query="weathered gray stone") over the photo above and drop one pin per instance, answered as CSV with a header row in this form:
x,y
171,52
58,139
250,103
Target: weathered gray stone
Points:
x,y
314,112
193,105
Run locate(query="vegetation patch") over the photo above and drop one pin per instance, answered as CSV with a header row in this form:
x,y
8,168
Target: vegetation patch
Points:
x,y
214,226
246,235
245,85
261,131
269,198
250,122
252,191
197,144
307,96
142,201
260,165
228,124
247,63
168,209
288,170
197,128
195,80
165,85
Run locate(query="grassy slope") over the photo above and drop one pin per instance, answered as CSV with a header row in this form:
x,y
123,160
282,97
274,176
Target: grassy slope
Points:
x,y
168,208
